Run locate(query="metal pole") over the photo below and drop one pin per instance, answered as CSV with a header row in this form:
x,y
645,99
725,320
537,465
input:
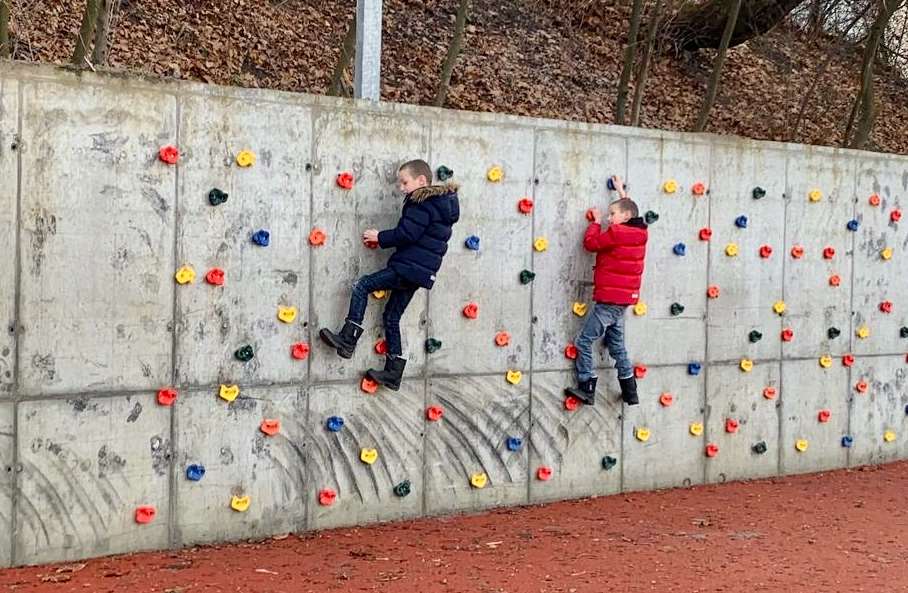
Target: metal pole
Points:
x,y
367,70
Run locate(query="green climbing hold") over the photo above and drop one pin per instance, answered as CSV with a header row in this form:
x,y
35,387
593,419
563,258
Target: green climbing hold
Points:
x,y
527,276
760,448
759,193
903,332
608,462
650,217
216,197
443,173
833,333
677,309
244,353
433,345
754,336
402,489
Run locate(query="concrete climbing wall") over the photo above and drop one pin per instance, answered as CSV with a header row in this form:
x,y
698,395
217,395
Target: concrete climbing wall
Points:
x,y
770,338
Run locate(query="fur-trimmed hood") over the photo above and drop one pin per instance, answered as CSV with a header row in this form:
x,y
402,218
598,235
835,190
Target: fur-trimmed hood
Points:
x,y
422,194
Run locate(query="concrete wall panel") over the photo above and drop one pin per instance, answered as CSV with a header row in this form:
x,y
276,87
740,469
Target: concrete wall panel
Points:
x,y
882,408
9,129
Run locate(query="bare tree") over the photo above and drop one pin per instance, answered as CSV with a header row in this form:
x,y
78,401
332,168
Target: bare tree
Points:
x,y
734,7
86,32
4,29
630,56
653,26
701,25
106,12
453,51
343,60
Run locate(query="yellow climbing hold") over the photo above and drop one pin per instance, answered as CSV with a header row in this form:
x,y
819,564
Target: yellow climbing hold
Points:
x,y
640,309
801,445
514,377
696,428
379,294
286,314
815,195
731,250
779,307
579,309
368,455
641,434
229,392
245,158
670,186
825,361
185,275
886,253
240,503
746,365
889,436
863,332
495,174
479,480
541,244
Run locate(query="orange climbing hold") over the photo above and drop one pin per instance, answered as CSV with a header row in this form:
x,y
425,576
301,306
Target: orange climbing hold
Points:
x,y
666,399
797,252
368,385
381,346
835,280
167,396
706,234
571,403
698,188
828,253
713,291
299,351
502,338
326,497
145,514
874,199
270,427
770,392
169,154
544,473
471,311
317,237
525,205
861,386
640,371
589,215
345,180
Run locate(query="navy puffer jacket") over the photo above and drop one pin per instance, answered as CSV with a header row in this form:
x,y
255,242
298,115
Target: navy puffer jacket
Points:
x,y
422,233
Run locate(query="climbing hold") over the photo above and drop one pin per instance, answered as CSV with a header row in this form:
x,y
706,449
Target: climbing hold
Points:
x,y
167,396
847,360
326,497
317,237
676,309
229,392
705,234
495,174
145,514
444,173
895,215
641,434
874,199
693,368
368,385
169,154
650,217
244,353
852,225
261,238
544,473
698,188
823,416
433,345
185,275
579,309
861,386
345,180
195,472
886,306
513,377
666,399
801,445
371,244
402,489
759,448
368,456
765,251
680,249
270,426
479,480
379,294
797,252
570,352
754,336
731,425
240,503
828,253
886,253
216,197
541,244
571,403
779,307
471,311
712,450
215,277
825,361
590,216
770,392
381,346
334,423
696,428
758,193
514,443
639,371
472,243
889,436
245,158
608,462
903,332
640,309
670,186
286,314
299,350
833,332
746,365
525,205
731,250
434,413
815,195
741,222
847,441
526,276
502,338
835,280
863,332
712,291
787,334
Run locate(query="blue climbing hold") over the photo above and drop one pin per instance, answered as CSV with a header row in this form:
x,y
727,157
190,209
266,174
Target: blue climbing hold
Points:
x,y
680,249
610,184
472,243
847,441
261,237
693,368
853,225
906,409
195,472
334,423
514,443
741,222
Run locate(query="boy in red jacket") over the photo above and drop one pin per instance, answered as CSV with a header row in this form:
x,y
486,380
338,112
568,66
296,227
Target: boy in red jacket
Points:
x,y
620,250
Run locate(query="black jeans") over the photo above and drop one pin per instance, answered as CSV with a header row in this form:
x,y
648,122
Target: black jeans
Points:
x,y
402,292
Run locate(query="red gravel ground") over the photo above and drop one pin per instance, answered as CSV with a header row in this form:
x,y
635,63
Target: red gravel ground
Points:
x,y
842,531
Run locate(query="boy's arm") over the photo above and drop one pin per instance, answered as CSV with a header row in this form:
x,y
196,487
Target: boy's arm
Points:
x,y
409,229
596,239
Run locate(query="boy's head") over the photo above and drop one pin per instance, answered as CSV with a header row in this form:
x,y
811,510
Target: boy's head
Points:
x,y
620,211
413,175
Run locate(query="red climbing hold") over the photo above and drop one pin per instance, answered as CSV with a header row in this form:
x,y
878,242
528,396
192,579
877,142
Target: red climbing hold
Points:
x,y
169,154
765,251
895,215
824,415
167,396
345,180
434,413
368,385
713,291
326,497
571,403
215,277
502,338
570,352
712,450
525,205
835,280
471,311
886,306
589,215
828,253
797,252
698,189
847,360
145,514
371,244
706,234
300,350
787,334
666,399
770,392
731,425
544,473
640,371
874,199
381,346
270,427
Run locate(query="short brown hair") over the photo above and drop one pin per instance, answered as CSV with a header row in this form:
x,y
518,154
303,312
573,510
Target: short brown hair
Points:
x,y
416,168
627,205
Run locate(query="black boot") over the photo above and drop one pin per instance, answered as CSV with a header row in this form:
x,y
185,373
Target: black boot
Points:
x,y
585,391
345,341
390,377
629,391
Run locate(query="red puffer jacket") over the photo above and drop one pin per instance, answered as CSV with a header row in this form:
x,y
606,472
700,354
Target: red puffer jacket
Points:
x,y
620,250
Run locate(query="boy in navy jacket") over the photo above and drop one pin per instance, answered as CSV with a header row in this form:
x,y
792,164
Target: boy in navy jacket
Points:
x,y
420,240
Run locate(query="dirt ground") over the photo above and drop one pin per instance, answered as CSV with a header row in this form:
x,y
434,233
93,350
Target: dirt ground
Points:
x,y
844,531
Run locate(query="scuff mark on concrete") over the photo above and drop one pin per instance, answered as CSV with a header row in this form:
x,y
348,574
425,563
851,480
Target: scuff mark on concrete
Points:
x,y
135,413
109,461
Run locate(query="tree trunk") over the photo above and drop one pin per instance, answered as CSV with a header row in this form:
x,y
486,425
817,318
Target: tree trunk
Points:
x,y
640,79
106,11
343,60
734,7
4,29
86,32
815,17
630,55
702,25
453,51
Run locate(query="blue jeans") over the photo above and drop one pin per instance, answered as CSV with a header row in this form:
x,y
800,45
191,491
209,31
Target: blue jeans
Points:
x,y
604,321
402,292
